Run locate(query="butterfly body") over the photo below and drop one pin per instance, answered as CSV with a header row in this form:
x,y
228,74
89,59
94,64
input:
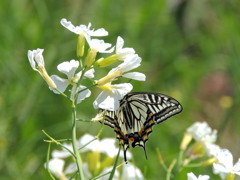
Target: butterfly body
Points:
x,y
138,112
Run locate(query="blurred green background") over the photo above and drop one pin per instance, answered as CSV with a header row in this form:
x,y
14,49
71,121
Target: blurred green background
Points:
x,y
190,50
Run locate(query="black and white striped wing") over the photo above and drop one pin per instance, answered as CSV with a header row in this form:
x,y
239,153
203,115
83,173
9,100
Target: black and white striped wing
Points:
x,y
108,117
137,113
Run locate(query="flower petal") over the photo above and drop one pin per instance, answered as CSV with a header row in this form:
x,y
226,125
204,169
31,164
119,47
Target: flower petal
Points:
x,y
122,52
236,167
85,140
86,172
68,68
36,57
89,73
131,172
82,95
135,75
71,168
192,176
224,164
109,100
102,100
100,45
202,132
55,165
131,62
119,44
83,29
61,83
108,147
70,26
63,153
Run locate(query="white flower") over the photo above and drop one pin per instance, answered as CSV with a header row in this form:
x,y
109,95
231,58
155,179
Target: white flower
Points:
x,y
205,136
111,95
69,69
202,132
99,45
191,176
81,96
130,63
56,166
35,58
225,165
121,52
131,172
83,29
211,149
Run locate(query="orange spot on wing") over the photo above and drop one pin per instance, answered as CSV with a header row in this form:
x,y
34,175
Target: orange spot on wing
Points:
x,y
131,139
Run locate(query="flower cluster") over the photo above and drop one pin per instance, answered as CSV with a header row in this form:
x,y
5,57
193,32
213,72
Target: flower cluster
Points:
x,y
96,152
79,78
204,145
77,70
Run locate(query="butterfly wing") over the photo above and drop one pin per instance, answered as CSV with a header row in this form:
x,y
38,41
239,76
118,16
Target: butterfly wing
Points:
x,y
108,117
137,113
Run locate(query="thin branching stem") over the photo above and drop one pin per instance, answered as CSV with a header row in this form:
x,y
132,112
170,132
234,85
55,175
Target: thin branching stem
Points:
x,y
74,144
47,161
169,172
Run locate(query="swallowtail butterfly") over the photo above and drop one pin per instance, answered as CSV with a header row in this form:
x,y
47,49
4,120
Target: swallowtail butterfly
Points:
x,y
137,114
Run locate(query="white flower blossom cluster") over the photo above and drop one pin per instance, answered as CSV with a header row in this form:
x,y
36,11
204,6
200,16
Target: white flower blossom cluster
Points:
x,y
205,138
76,70
92,166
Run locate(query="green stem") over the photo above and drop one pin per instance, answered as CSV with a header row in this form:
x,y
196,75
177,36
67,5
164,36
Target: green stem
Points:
x,y
169,172
115,165
74,144
62,94
48,157
180,158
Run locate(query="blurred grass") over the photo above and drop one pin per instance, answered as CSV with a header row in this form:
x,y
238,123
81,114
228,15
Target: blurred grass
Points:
x,y
190,50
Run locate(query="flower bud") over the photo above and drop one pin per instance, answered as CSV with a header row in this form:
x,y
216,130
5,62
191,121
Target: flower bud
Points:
x,y
46,77
185,141
103,62
90,57
196,150
230,176
80,45
209,161
108,78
